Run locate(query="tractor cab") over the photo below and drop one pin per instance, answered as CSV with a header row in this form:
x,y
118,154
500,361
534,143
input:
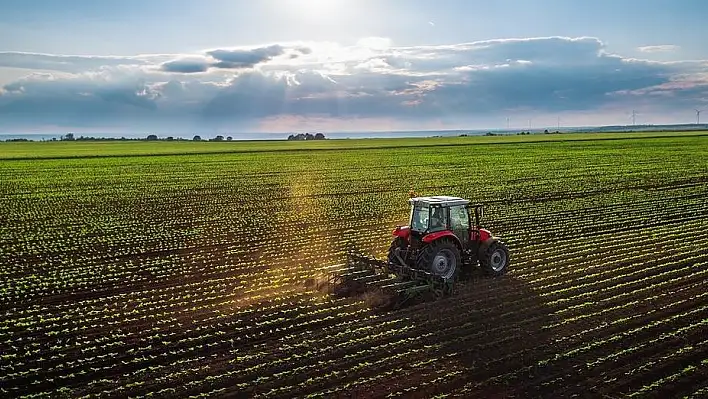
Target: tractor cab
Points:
x,y
443,234
431,215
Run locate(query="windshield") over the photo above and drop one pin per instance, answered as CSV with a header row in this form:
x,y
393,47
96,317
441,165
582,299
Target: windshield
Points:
x,y
419,217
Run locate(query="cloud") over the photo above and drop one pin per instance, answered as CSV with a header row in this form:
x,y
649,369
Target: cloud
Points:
x,y
662,48
71,63
186,65
237,58
375,81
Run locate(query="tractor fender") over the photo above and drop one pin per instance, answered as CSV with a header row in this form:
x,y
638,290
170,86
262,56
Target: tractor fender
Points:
x,y
480,235
485,235
402,231
443,234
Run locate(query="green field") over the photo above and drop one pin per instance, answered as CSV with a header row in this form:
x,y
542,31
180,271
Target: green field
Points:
x,y
81,149
185,268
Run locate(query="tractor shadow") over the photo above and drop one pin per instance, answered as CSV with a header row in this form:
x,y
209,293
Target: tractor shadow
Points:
x,y
490,335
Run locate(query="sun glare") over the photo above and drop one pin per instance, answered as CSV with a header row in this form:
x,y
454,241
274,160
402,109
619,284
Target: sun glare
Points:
x,y
316,9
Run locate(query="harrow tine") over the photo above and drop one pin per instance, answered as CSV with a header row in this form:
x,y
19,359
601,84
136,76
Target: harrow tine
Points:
x,y
358,273
400,285
372,279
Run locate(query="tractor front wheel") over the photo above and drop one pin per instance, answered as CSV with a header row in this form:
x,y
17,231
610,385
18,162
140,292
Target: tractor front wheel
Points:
x,y
441,258
494,258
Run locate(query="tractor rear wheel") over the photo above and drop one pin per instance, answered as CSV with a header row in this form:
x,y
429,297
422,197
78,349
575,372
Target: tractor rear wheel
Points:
x,y
441,258
494,258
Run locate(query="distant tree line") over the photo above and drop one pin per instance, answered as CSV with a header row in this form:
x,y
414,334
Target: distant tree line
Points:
x,y
18,140
72,137
217,138
150,137
154,137
306,136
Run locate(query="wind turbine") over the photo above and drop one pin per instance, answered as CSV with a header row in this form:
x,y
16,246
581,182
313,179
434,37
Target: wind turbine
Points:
x,y
634,117
507,123
698,116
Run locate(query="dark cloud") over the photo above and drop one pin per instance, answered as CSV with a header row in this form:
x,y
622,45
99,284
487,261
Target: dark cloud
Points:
x,y
551,50
185,66
541,87
67,102
231,59
234,59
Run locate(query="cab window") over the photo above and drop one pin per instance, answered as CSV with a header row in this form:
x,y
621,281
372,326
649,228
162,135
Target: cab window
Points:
x,y
459,218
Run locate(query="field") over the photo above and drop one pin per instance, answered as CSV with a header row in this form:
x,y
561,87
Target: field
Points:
x,y
190,269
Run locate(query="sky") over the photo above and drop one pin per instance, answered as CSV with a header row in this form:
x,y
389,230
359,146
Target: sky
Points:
x,y
178,66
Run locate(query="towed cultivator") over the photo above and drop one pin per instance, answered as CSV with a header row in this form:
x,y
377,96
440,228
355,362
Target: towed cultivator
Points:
x,y
442,242
392,285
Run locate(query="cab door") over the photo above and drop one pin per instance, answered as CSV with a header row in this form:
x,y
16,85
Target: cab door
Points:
x,y
460,223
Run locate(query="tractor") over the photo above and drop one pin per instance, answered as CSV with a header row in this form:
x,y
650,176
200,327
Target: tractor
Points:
x,y
441,245
444,237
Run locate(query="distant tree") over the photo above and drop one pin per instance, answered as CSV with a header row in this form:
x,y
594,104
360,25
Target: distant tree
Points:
x,y
68,137
545,131
170,138
219,138
197,138
291,137
319,136
229,138
152,137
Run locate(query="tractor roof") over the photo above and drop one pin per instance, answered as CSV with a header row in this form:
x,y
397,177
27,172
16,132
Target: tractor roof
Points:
x,y
440,200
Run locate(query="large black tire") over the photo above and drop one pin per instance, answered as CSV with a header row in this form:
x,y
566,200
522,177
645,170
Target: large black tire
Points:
x,y
441,258
398,242
494,257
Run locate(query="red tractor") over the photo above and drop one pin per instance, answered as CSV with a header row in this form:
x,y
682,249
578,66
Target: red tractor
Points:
x,y
442,242
444,238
